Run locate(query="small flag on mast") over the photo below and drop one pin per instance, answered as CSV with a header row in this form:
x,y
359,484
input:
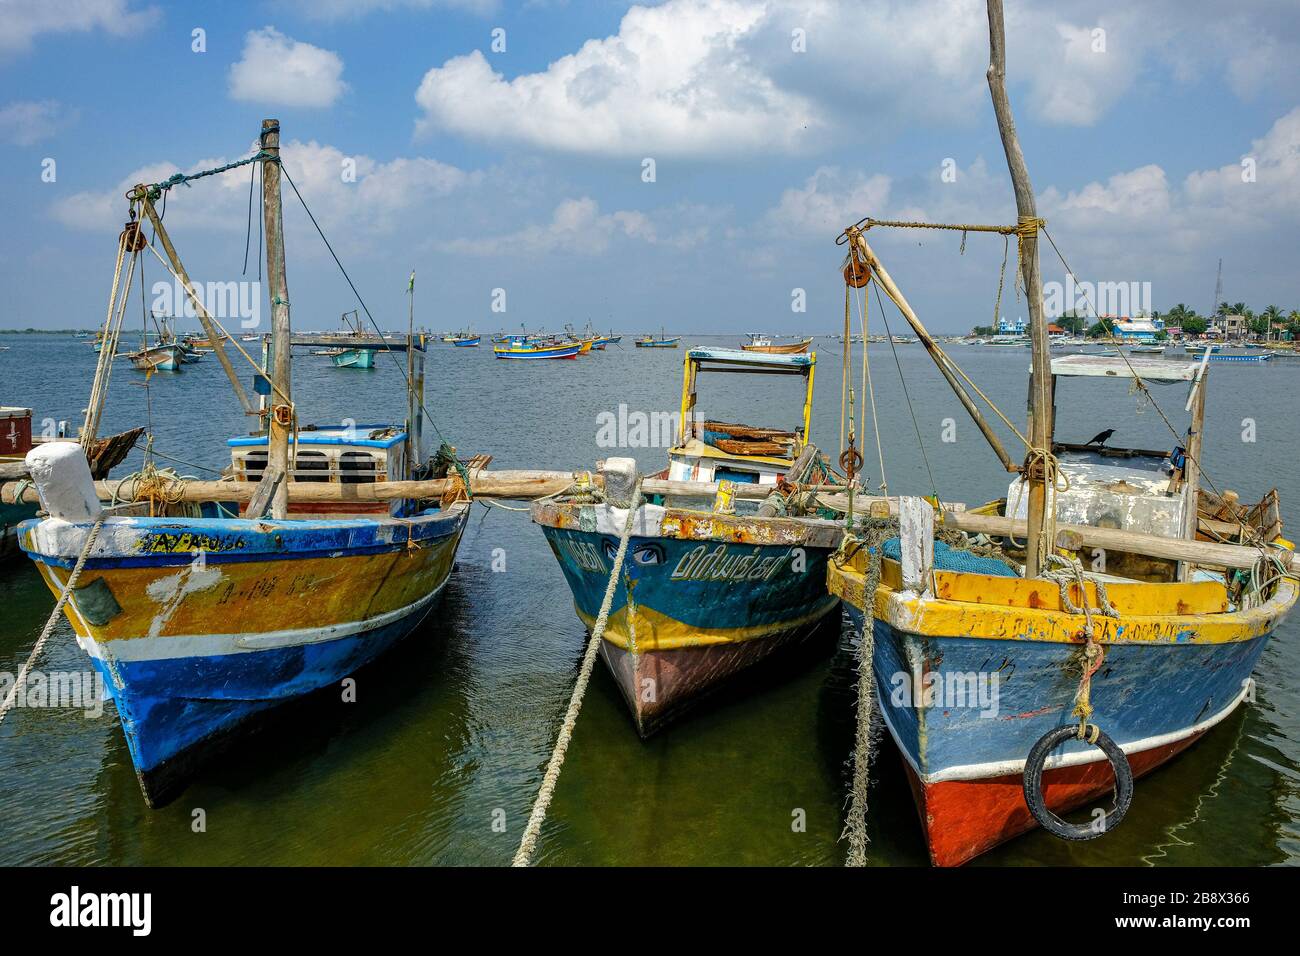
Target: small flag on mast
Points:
x,y
410,286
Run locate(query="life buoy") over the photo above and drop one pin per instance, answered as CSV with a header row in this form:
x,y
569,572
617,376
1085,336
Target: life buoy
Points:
x,y
1033,783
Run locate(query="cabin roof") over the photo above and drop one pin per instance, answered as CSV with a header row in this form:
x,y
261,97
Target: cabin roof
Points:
x,y
801,362
333,435
1116,366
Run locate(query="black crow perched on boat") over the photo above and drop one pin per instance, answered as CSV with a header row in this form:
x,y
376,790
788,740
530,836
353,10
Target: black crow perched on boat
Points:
x,y
1102,438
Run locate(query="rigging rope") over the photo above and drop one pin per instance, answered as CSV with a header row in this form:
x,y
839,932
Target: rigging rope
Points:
x,y
387,348
538,816
934,488
156,190
21,681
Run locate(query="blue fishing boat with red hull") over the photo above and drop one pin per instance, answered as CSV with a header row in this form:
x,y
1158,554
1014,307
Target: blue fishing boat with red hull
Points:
x,y
1014,697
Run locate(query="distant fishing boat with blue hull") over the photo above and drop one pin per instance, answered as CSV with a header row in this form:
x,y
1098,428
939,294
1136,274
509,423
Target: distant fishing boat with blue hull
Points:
x,y
287,580
662,342
522,347
710,585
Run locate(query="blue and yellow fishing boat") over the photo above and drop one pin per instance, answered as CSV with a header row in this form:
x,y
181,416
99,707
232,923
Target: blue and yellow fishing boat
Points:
x,y
203,618
662,342
721,572
523,347
1103,639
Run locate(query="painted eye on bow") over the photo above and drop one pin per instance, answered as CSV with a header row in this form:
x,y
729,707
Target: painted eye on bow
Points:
x,y
648,554
611,549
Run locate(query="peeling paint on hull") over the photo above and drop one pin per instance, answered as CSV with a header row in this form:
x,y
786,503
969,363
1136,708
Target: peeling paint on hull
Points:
x,y
193,653
706,602
1163,684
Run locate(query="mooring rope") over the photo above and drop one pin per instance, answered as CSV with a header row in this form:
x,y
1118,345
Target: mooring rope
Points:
x,y
54,616
538,816
872,535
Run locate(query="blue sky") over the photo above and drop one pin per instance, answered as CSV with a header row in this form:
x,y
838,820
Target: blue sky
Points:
x,y
522,169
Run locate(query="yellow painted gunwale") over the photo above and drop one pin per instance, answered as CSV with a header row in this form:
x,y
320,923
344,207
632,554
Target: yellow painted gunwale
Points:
x,y
252,597
658,632
1143,618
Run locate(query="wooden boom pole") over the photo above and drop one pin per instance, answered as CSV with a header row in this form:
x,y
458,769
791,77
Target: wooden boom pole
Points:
x,y
281,419
1036,474
200,310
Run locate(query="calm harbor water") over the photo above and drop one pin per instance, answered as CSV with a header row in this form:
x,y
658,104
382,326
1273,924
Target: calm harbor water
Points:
x,y
439,759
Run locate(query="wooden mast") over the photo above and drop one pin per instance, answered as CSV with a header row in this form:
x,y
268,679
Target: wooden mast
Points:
x,y
1040,393
280,422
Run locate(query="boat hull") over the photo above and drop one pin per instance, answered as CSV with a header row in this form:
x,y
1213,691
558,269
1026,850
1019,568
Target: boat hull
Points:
x,y
710,595
790,348
193,649
541,352
967,688
354,358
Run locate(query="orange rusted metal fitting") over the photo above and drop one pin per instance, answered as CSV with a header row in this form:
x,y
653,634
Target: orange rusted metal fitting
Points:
x,y
132,236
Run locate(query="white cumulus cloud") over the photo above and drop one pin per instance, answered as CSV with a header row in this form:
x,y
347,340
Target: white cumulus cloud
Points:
x,y
278,70
674,80
21,21
27,122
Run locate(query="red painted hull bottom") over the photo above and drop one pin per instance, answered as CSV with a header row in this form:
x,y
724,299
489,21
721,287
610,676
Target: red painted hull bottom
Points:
x,y
964,818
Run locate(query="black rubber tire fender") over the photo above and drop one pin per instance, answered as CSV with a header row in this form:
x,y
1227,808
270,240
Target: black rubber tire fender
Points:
x,y
1033,784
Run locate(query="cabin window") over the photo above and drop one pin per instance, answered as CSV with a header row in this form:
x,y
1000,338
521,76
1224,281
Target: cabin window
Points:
x,y
253,463
311,466
357,467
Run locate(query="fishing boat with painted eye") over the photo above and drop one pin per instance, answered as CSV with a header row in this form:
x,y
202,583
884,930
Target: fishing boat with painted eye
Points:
x,y
709,585
225,599
1090,633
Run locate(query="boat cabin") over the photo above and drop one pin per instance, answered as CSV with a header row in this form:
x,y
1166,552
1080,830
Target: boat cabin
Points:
x,y
338,454
717,451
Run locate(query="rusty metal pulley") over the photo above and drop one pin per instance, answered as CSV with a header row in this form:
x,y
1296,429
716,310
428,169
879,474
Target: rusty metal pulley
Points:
x,y
856,271
851,461
132,237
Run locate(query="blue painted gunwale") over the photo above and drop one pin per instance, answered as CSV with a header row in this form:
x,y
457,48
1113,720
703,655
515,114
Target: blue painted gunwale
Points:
x,y
706,605
242,539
